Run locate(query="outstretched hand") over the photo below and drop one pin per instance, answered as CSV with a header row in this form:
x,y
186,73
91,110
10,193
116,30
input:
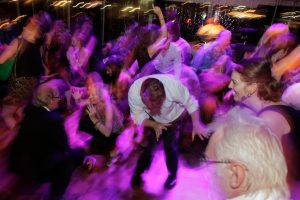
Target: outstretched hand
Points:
x,y
200,130
157,11
92,112
159,127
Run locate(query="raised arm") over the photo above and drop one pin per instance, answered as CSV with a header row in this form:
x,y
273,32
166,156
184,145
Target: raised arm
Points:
x,y
9,51
163,27
162,39
289,62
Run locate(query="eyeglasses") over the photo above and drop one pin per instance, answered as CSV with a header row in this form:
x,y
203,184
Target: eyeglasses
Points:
x,y
204,160
207,161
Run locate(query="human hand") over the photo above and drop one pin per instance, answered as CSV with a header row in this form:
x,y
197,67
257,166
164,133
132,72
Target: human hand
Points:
x,y
157,11
159,127
200,130
76,93
92,112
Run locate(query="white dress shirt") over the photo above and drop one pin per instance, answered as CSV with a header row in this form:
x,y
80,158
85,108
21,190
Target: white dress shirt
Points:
x,y
263,195
177,100
186,51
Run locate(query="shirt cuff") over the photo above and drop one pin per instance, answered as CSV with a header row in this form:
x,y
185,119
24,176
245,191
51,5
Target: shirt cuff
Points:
x,y
192,108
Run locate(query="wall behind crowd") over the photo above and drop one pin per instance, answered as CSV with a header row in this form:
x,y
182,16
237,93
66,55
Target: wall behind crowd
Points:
x,y
112,16
248,3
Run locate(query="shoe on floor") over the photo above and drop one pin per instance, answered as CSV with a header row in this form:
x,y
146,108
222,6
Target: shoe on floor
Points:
x,y
170,182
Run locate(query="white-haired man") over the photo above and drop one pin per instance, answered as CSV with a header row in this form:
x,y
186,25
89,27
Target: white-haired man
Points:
x,y
247,157
41,152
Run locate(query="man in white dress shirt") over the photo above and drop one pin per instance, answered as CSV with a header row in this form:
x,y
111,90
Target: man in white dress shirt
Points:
x,y
158,102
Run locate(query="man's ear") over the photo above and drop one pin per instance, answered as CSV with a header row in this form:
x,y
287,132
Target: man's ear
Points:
x,y
237,176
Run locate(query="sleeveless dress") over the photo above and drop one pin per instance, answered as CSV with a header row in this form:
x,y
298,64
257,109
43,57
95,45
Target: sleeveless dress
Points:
x,y
291,141
142,57
26,73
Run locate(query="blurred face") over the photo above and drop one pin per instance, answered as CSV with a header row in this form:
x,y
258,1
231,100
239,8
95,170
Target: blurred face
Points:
x,y
76,42
153,105
241,89
86,28
95,98
31,31
153,96
55,101
93,95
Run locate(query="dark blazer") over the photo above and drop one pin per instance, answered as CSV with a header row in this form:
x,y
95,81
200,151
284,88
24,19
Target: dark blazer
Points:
x,y
40,144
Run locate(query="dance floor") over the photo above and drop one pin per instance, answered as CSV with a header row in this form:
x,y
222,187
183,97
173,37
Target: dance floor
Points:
x,y
194,181
113,183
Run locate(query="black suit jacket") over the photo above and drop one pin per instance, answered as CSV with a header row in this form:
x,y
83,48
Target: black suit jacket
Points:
x,y
40,144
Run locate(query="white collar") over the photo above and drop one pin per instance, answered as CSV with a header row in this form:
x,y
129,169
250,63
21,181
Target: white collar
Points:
x,y
47,108
262,195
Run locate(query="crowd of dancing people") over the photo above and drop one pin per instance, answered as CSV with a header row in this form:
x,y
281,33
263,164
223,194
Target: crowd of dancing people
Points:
x,y
146,86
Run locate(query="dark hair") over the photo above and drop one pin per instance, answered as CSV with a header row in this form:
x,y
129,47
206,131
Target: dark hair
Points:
x,y
153,89
77,29
59,26
149,34
115,60
257,70
173,23
174,29
79,21
171,14
56,55
45,23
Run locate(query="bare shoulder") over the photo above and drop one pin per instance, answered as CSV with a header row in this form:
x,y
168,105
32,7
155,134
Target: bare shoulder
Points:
x,y
276,122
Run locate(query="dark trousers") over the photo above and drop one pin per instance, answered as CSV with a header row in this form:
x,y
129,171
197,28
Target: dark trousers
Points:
x,y
56,169
102,145
61,173
169,138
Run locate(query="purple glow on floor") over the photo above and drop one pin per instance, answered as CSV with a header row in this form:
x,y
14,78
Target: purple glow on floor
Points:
x,y
113,183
